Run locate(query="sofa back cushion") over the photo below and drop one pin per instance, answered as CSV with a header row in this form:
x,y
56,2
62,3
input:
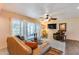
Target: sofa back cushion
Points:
x,y
17,47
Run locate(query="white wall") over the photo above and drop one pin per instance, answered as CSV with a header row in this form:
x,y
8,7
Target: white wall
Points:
x,y
4,31
72,28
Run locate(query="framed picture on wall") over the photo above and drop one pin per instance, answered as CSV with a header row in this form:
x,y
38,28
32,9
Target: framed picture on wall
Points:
x,y
62,26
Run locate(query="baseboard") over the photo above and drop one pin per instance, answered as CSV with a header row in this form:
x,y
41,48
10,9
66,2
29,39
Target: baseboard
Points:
x,y
72,40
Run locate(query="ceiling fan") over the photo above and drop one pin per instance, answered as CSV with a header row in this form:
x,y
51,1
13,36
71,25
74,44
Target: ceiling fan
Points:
x,y
47,17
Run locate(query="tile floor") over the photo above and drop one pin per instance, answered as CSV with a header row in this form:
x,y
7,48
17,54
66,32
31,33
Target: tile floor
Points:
x,y
72,47
4,51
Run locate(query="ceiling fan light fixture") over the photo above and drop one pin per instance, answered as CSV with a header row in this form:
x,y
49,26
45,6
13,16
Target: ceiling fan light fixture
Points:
x,y
46,20
47,17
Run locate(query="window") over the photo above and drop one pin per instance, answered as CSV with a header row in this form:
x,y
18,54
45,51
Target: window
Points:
x,y
16,27
31,30
26,29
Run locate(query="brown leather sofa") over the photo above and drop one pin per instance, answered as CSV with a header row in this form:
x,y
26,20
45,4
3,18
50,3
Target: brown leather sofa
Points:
x,y
17,47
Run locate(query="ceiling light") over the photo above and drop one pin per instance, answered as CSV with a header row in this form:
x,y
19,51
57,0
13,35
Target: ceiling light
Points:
x,y
78,7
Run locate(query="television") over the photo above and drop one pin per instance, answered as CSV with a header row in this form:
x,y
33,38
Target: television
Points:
x,y
52,26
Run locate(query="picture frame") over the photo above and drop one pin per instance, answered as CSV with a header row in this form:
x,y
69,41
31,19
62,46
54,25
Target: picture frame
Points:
x,y
63,26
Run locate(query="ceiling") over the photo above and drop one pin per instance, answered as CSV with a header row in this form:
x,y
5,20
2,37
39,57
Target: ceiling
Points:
x,y
35,10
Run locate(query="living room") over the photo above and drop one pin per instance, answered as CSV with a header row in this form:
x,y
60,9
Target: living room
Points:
x,y
39,24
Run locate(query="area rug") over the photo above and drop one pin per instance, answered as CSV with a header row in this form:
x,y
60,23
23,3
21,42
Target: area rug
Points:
x,y
53,51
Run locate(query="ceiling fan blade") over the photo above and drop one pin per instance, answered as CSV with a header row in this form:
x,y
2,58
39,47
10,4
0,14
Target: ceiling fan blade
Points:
x,y
49,20
53,18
